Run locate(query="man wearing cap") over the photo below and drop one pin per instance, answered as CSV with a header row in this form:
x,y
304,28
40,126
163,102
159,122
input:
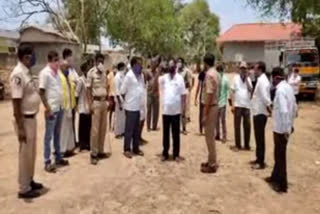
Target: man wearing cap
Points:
x,y
261,109
98,95
240,106
26,101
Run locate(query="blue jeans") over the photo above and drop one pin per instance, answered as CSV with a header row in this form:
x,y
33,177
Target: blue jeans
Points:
x,y
53,126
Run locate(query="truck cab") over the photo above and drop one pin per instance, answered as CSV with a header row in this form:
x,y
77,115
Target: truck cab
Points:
x,y
307,61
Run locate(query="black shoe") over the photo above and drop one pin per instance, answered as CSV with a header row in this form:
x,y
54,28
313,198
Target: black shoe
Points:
x,y
164,158
104,155
36,186
279,189
259,166
94,160
139,153
62,162
255,162
247,148
69,154
29,195
50,168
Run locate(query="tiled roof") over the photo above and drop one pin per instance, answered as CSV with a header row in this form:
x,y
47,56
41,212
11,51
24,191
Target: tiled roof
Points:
x,y
261,32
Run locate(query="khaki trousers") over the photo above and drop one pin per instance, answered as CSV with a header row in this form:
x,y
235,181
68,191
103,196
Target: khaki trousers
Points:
x,y
99,127
27,155
210,130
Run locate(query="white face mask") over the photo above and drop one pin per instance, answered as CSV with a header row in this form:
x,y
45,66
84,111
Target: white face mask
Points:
x,y
101,67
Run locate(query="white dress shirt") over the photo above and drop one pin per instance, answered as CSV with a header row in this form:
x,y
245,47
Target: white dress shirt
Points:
x,y
133,88
51,83
118,81
284,109
81,92
172,90
294,81
241,92
261,96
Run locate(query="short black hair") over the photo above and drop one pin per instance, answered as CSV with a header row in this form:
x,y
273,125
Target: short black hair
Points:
x,y
52,55
134,60
121,65
99,56
182,59
278,71
209,59
262,66
66,53
24,49
84,67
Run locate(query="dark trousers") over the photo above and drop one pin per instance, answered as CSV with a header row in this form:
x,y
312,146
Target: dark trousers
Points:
x,y
84,131
244,115
152,112
201,108
260,122
132,131
171,122
279,173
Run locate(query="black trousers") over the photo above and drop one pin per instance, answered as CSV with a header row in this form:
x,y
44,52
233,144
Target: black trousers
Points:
x,y
84,131
171,122
279,173
242,114
201,108
132,131
260,122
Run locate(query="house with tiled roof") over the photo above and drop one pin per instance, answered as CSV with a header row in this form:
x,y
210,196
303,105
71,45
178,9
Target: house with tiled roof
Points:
x,y
251,42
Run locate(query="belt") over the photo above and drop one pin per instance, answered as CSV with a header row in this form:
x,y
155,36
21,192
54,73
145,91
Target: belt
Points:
x,y
99,98
29,116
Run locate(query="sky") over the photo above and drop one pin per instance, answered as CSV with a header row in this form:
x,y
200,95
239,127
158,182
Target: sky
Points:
x,y
231,12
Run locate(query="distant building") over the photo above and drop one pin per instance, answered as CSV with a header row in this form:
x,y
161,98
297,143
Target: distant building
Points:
x,y
8,45
45,40
257,42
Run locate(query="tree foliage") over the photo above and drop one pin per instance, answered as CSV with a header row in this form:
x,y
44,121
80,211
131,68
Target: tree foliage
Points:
x,y
200,28
305,12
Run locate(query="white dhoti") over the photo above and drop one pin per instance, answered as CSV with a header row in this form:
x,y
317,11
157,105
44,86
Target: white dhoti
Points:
x,y
66,134
119,120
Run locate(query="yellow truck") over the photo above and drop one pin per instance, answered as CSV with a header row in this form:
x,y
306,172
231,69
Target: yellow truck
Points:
x,y
306,59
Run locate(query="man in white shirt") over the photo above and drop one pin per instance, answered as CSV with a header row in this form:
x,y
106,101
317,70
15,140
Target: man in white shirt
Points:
x,y
119,116
132,91
240,106
284,112
173,97
261,109
67,55
51,96
83,109
294,80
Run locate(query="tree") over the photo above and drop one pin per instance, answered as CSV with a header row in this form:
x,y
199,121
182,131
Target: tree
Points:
x,y
305,12
199,28
149,26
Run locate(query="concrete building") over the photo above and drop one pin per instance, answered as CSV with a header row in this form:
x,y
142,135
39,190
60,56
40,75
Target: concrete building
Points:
x,y
257,42
45,40
8,45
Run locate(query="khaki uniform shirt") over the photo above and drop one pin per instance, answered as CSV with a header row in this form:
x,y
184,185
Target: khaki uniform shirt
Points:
x,y
98,82
24,87
211,86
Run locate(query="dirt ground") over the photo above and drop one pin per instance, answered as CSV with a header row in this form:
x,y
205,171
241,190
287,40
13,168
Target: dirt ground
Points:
x,y
146,185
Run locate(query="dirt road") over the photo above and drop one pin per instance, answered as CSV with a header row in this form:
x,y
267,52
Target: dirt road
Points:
x,y
146,185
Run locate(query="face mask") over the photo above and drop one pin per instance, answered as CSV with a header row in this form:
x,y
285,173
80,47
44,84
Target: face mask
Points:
x,y
66,72
33,60
137,69
101,67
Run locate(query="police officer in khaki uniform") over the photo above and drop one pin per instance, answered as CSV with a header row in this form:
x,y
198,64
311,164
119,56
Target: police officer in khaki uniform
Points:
x,y
98,96
210,116
26,101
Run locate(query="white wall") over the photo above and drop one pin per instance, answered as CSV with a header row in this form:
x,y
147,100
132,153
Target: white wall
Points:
x,y
247,51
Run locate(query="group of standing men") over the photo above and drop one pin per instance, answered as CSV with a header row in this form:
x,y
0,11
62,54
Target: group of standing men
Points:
x,y
129,92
